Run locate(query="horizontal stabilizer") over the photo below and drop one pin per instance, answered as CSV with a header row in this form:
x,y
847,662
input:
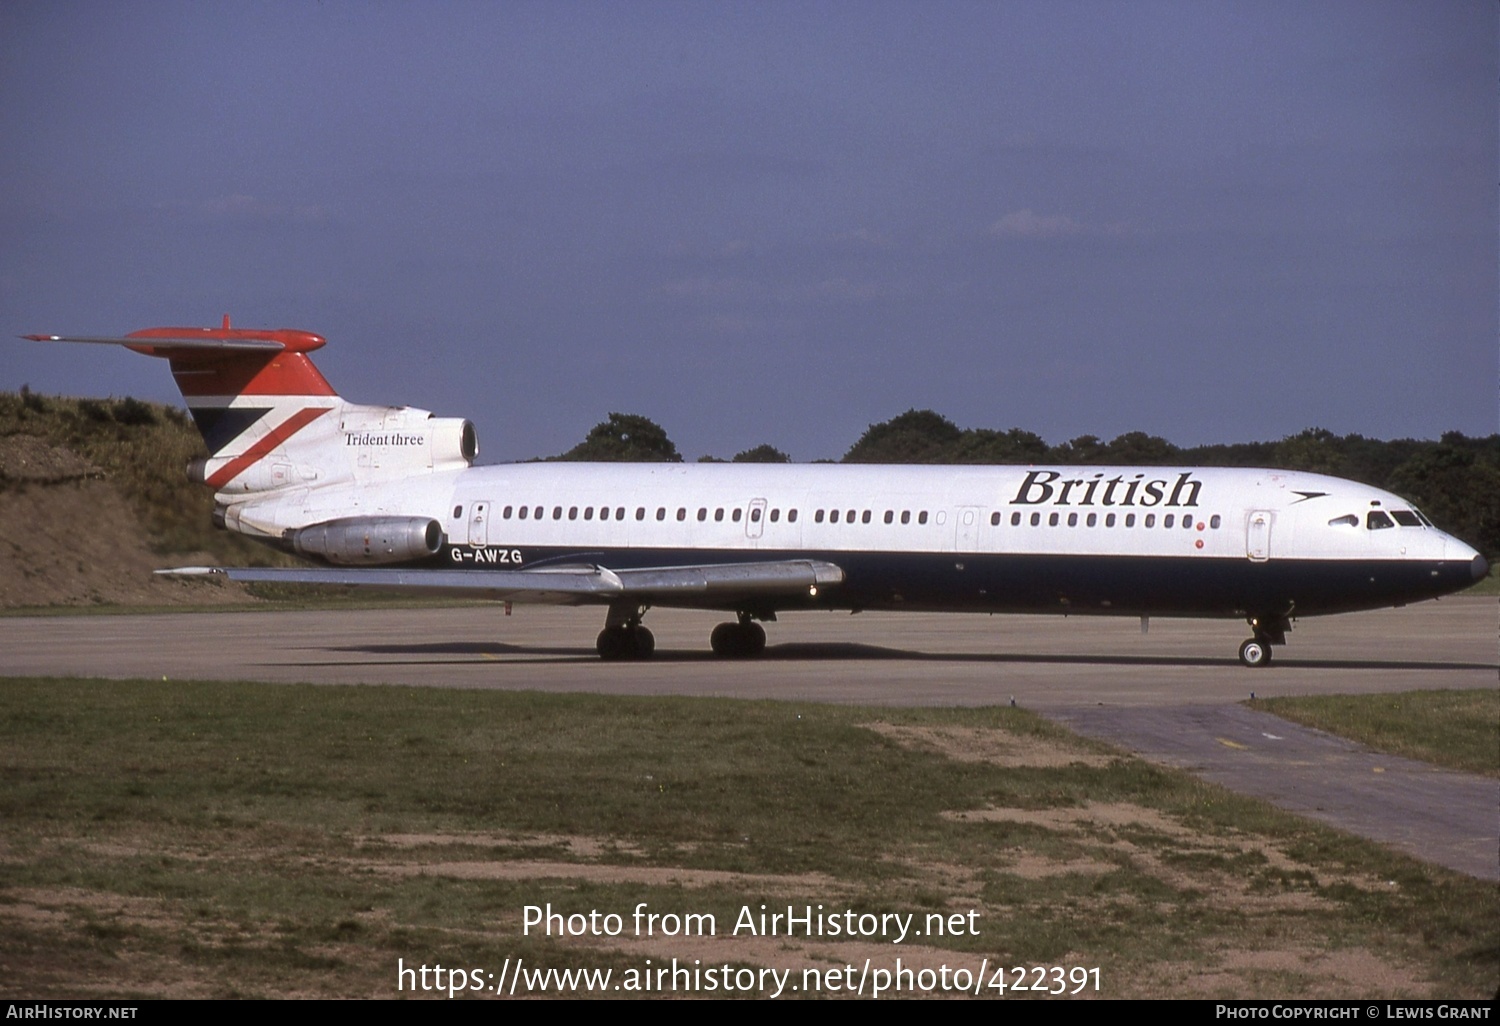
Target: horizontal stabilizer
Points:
x,y
172,344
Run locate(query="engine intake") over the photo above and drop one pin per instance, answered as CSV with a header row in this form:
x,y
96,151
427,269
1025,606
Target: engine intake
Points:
x,y
357,541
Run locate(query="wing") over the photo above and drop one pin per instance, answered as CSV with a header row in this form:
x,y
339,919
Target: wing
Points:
x,y
710,586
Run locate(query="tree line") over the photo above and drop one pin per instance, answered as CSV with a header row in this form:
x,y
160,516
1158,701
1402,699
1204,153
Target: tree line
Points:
x,y
1454,480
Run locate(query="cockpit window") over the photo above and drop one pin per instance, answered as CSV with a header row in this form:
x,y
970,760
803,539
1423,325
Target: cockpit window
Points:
x,y
1423,517
1375,520
1406,518
1347,520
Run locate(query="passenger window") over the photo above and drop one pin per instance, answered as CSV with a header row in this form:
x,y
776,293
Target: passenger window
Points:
x,y
890,516
1052,520
1093,519
1109,520
775,515
588,513
572,512
734,514
1187,522
1036,520
661,512
640,512
922,517
702,514
1169,520
994,519
1015,520
536,514
906,516
458,511
1215,520
755,515
719,515
818,517
681,513
1072,519
603,512
1378,521
556,512
1150,519
833,516
849,517
505,513
523,512
1129,519
791,516
865,519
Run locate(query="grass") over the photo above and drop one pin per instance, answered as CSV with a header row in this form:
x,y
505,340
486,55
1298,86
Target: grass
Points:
x,y
1489,586
1456,729
223,839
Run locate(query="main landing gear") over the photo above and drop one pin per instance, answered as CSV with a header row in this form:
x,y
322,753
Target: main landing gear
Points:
x,y
625,642
744,639
1269,631
624,637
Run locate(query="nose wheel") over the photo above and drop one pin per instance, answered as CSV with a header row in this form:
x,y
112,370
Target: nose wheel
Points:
x,y
1255,652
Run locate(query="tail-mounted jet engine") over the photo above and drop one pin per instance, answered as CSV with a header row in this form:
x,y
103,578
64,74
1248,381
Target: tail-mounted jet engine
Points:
x,y
358,541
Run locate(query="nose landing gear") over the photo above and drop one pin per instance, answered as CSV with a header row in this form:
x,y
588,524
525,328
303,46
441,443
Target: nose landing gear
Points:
x,y
1255,652
1269,631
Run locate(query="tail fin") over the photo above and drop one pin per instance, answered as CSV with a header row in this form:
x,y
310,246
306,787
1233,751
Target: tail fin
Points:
x,y
249,393
264,413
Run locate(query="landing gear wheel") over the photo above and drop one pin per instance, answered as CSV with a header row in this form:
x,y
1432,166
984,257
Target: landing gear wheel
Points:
x,y
1255,652
742,640
613,644
752,638
724,640
616,643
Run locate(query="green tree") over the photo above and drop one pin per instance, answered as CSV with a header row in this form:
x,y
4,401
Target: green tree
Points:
x,y
916,436
1137,447
983,445
625,438
762,454
1457,488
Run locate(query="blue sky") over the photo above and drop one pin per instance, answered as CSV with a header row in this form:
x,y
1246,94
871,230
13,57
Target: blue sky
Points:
x,y
776,222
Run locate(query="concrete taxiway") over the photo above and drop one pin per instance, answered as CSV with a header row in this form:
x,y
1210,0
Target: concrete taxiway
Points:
x,y
1170,694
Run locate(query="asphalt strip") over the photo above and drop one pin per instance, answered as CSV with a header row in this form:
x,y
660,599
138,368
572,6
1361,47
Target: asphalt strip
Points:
x,y
1437,815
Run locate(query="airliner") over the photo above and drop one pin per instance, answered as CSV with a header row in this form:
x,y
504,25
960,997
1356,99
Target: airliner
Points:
x,y
389,497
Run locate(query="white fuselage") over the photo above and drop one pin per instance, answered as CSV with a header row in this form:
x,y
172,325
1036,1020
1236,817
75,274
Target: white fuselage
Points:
x,y
1094,528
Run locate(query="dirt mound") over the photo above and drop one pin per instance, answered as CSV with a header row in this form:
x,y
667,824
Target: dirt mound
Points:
x,y
67,537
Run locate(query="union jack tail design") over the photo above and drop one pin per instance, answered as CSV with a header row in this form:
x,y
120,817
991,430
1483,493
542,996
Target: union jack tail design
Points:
x,y
271,422
251,393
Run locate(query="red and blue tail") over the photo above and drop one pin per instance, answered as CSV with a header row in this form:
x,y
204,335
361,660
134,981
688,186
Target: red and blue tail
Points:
x,y
271,422
251,393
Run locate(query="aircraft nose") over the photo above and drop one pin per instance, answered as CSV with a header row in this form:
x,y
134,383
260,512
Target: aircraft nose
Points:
x,y
1479,567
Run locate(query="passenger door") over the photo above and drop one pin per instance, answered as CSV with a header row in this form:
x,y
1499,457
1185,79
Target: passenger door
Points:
x,y
1258,535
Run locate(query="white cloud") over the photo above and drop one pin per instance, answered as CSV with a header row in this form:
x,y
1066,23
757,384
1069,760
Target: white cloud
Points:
x,y
1027,224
